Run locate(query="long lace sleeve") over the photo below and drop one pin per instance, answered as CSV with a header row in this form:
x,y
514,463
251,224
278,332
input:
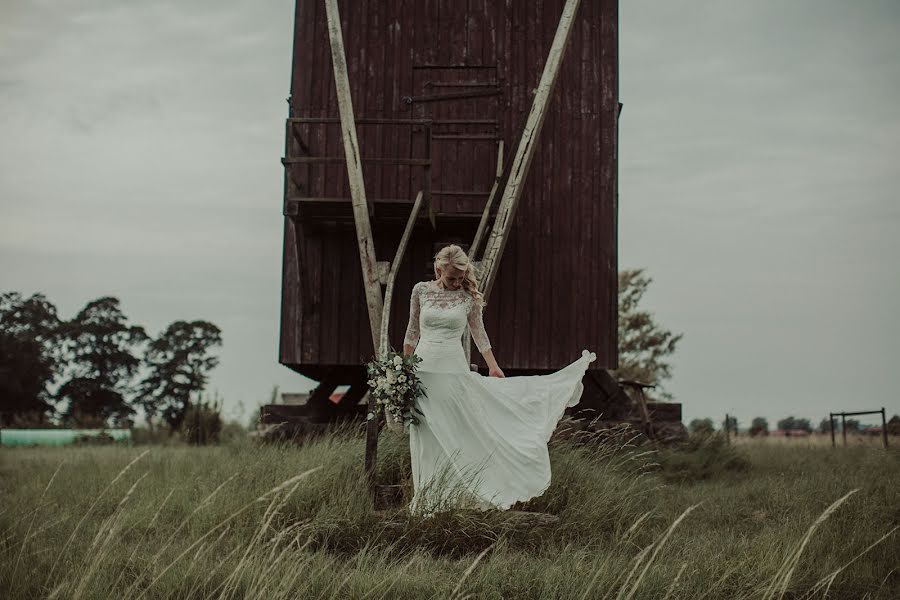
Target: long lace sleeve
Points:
x,y
412,328
476,327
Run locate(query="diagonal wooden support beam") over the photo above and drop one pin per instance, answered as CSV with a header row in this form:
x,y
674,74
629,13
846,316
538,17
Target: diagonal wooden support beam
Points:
x,y
383,345
371,281
485,214
392,275
354,171
525,151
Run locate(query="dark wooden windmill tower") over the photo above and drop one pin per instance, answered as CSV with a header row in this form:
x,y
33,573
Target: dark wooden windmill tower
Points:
x,y
445,104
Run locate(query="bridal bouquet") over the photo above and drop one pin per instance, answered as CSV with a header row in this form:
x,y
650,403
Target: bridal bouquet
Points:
x,y
395,386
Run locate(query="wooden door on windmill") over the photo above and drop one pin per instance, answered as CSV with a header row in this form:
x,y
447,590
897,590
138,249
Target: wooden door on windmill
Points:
x,y
463,103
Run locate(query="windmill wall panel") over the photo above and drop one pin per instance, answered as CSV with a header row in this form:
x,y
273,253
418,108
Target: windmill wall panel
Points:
x,y
556,288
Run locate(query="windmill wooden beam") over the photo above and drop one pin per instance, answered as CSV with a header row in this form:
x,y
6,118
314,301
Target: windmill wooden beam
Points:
x,y
485,214
392,275
364,239
370,266
526,148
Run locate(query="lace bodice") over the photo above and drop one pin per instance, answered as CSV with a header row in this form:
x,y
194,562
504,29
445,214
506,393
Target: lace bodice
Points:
x,y
441,315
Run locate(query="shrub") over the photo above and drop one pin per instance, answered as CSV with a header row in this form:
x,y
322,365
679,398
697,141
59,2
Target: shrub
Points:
x,y
701,426
702,456
155,435
233,431
202,423
893,425
101,439
759,426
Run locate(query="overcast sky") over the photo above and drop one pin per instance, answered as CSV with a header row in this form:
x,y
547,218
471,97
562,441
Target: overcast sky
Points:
x,y
759,176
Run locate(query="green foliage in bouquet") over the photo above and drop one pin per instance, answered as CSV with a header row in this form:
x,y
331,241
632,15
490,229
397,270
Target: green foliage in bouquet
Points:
x,y
395,386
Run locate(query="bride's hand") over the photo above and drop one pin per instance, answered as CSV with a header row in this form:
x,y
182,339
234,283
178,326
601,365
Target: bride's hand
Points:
x,y
496,372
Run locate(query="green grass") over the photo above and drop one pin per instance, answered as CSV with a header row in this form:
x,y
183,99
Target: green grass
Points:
x,y
237,520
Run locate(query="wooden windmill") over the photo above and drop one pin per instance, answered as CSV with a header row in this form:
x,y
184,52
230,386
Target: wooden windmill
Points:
x,y
403,118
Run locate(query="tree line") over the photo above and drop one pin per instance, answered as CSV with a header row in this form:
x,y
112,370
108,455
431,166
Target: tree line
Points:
x,y
760,425
97,369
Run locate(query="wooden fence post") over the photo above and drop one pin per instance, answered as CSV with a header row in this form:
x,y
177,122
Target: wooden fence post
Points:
x,y
831,427
727,428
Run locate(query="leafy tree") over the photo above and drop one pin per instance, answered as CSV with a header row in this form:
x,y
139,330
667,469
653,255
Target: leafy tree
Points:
x,y
102,348
178,364
643,345
825,425
202,423
701,426
852,425
759,426
795,423
29,357
787,423
893,425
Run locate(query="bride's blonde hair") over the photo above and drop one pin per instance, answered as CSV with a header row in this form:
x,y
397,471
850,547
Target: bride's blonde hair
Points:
x,y
454,255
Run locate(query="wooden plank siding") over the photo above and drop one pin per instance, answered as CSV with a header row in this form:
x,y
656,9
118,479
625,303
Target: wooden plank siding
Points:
x,y
556,288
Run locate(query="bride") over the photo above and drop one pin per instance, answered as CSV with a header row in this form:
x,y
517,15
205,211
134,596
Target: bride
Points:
x,y
481,442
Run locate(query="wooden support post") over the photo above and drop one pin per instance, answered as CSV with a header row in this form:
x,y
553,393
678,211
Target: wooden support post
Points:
x,y
354,172
485,214
727,428
319,404
350,399
383,346
884,428
831,426
525,151
361,211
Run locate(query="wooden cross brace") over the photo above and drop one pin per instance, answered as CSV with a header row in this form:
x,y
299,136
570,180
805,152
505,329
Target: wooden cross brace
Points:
x,y
375,273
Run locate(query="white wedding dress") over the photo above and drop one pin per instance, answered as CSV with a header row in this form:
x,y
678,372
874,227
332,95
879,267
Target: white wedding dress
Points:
x,y
481,442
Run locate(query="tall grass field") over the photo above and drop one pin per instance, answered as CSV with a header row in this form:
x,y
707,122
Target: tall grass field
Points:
x,y
242,520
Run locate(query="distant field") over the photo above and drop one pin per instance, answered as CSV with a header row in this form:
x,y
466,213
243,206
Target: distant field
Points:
x,y
818,440
760,520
